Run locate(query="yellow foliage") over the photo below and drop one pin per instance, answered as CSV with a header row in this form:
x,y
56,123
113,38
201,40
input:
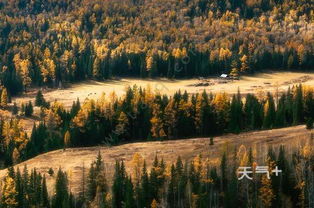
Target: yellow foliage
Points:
x,y
266,194
4,98
242,156
197,162
224,54
15,156
244,63
137,162
9,192
154,204
67,139
221,101
307,151
149,63
52,119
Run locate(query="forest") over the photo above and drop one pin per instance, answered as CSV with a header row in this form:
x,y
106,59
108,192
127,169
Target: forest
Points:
x,y
144,115
195,183
50,43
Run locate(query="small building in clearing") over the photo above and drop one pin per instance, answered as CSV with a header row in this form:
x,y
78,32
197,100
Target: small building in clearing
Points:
x,y
224,76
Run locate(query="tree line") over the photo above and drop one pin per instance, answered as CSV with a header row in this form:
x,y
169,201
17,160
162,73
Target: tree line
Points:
x,y
194,183
24,189
190,38
142,115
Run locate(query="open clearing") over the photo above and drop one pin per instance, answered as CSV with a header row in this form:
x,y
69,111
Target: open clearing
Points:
x,y
72,160
268,81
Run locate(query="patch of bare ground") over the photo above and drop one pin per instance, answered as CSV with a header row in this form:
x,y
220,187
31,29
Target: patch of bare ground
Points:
x,y
72,160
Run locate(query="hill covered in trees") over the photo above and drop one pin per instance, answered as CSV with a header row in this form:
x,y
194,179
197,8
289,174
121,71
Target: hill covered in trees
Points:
x,y
193,183
143,115
50,42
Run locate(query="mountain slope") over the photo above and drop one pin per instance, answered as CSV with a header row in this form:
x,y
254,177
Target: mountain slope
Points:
x,y
72,160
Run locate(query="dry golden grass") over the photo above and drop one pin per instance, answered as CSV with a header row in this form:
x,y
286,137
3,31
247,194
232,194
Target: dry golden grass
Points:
x,y
260,82
270,81
72,160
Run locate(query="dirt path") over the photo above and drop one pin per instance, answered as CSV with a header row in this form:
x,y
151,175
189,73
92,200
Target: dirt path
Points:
x,y
73,159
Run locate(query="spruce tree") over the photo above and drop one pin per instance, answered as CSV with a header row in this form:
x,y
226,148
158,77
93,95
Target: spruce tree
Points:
x,y
29,109
298,106
40,100
91,186
154,179
270,112
171,194
61,196
145,188
20,189
236,115
309,110
129,193
118,187
281,112
44,194
15,109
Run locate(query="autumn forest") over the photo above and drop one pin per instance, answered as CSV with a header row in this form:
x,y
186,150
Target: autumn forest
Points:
x,y
53,44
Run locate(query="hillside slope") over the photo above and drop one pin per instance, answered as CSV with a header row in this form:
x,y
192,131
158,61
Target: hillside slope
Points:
x,y
49,43
72,160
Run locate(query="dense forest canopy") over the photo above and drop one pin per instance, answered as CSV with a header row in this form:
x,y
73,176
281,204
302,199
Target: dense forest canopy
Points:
x,y
50,42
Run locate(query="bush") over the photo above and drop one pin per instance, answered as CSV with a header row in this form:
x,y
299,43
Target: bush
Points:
x,y
50,172
211,141
40,100
15,109
28,109
309,123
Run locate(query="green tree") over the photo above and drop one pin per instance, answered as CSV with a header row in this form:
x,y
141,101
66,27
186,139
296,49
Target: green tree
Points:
x,y
61,198
29,109
298,108
118,187
236,115
15,109
270,112
145,188
44,194
40,100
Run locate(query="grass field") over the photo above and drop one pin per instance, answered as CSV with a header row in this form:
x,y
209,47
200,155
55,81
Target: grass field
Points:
x,y
267,81
72,160
270,81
